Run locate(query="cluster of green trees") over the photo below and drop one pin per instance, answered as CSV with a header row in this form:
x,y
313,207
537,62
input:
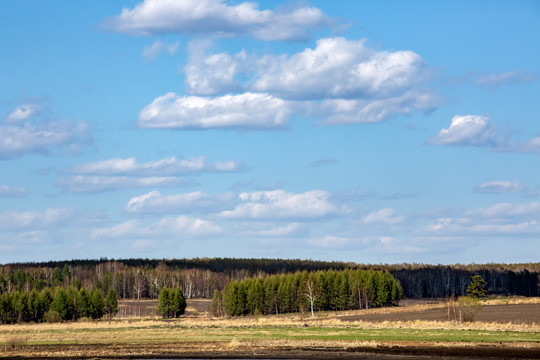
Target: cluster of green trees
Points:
x,y
320,290
56,304
172,303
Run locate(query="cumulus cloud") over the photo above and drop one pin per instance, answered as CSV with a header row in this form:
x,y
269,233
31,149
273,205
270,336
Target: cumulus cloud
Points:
x,y
466,130
345,111
10,191
496,220
21,134
340,68
215,73
15,220
330,241
120,173
510,77
216,17
278,204
383,216
244,111
476,130
193,202
268,230
178,228
162,167
22,112
335,68
500,186
340,81
90,184
151,52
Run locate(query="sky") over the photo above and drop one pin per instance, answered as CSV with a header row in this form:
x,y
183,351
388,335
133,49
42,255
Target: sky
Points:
x,y
371,132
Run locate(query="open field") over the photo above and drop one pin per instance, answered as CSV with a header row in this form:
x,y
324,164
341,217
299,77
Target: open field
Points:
x,y
345,335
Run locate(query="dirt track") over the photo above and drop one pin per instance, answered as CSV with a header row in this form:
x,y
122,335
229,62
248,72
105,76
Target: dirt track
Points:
x,y
514,313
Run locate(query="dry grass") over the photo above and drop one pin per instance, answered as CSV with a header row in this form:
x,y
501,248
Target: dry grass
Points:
x,y
196,334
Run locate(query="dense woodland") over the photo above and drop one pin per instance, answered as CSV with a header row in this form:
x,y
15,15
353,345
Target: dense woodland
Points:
x,y
199,278
54,305
321,290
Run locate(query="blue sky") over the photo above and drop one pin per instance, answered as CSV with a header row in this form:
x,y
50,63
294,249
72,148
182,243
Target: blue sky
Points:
x,y
374,132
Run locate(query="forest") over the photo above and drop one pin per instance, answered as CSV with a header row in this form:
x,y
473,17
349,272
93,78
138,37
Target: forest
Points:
x,y
200,277
321,290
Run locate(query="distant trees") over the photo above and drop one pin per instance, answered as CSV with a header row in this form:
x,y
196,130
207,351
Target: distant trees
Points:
x,y
321,290
172,303
199,278
59,304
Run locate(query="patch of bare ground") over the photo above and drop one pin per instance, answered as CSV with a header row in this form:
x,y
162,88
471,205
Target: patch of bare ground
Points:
x,y
528,313
281,349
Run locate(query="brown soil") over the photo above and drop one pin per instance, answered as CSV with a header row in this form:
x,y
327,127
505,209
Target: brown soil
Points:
x,y
390,350
502,314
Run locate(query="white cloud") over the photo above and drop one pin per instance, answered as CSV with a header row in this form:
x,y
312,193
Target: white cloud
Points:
x,y
213,74
245,111
151,52
356,84
9,191
340,68
335,68
496,220
330,242
16,220
278,204
506,210
500,186
178,228
531,146
162,167
383,216
466,130
24,136
266,230
344,111
89,184
193,202
216,17
22,112
510,77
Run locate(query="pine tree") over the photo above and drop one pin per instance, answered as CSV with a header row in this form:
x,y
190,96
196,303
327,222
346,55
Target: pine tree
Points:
x,y
96,298
111,303
477,287
84,304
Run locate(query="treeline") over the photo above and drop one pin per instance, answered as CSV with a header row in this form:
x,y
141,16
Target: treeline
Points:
x,y
55,305
199,278
321,290
445,281
229,266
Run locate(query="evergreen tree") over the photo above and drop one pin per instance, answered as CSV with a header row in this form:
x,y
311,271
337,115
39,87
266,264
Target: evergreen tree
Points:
x,y
217,309
85,307
62,304
98,305
477,287
164,305
178,303
111,303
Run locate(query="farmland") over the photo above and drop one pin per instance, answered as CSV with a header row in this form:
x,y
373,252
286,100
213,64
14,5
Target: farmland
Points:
x,y
412,329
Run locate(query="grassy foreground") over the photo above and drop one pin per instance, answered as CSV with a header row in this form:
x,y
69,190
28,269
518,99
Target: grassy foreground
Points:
x,y
270,336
